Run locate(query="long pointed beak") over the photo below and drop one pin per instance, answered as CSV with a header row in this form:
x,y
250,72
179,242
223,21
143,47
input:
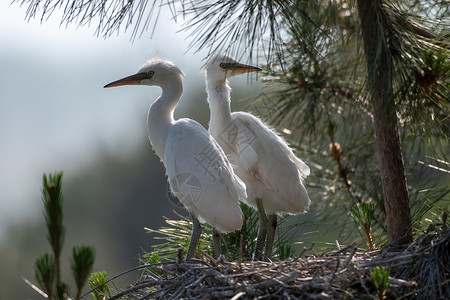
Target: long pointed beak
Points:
x,y
238,68
129,80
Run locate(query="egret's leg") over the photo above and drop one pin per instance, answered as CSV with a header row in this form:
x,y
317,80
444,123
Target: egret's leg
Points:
x,y
217,236
271,229
195,236
262,232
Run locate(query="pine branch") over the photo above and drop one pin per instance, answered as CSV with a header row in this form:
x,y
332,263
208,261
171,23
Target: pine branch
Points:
x,y
53,213
45,274
83,258
417,29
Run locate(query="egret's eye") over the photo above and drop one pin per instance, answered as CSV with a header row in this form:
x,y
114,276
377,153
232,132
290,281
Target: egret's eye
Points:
x,y
150,74
223,65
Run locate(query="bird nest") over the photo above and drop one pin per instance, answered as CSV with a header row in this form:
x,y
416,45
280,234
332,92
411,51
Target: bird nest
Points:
x,y
419,271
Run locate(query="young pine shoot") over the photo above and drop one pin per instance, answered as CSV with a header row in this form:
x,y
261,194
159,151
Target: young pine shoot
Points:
x,y
362,213
98,284
48,266
45,274
381,281
83,258
53,212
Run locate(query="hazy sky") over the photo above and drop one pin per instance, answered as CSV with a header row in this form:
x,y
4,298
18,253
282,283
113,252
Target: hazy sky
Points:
x,y
54,112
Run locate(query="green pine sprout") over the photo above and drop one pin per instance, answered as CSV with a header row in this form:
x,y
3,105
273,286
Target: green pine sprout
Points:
x,y
381,281
153,258
53,203
48,266
83,258
98,284
177,234
45,273
363,213
53,212
284,251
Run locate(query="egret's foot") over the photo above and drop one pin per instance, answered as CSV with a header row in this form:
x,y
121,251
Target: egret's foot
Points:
x,y
262,232
217,236
271,230
195,236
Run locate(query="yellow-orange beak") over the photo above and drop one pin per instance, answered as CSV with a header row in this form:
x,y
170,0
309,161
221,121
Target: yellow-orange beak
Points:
x,y
129,80
238,68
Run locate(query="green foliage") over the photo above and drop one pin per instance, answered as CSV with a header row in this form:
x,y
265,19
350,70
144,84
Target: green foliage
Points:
x,y
84,12
52,199
287,228
381,281
249,232
45,273
178,232
53,212
363,216
82,262
153,258
429,215
284,251
238,26
53,205
48,267
97,282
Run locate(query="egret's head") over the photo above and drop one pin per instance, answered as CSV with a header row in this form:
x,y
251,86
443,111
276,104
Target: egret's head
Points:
x,y
223,66
156,71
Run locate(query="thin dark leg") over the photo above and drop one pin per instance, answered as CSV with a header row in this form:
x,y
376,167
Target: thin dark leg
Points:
x,y
217,236
195,236
271,229
262,232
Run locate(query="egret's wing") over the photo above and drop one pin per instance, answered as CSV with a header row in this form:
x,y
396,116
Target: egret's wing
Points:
x,y
269,157
235,185
202,177
177,181
247,155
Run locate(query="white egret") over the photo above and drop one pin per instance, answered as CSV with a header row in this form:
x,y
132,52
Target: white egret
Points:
x,y
198,170
262,159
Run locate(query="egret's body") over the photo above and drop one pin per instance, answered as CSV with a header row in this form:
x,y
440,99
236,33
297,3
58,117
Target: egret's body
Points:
x,y
198,170
272,173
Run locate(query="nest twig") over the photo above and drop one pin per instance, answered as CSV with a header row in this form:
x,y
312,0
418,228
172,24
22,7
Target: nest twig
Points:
x,y
416,272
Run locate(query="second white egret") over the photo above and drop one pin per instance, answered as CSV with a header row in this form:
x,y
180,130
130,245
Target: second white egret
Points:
x,y
271,171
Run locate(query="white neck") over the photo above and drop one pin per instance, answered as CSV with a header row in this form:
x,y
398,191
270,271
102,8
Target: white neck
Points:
x,y
219,105
160,114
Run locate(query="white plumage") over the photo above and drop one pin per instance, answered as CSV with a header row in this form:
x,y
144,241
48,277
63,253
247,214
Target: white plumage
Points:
x,y
269,168
191,151
198,170
261,158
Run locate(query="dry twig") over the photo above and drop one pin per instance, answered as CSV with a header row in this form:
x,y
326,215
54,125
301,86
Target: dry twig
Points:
x,y
343,274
